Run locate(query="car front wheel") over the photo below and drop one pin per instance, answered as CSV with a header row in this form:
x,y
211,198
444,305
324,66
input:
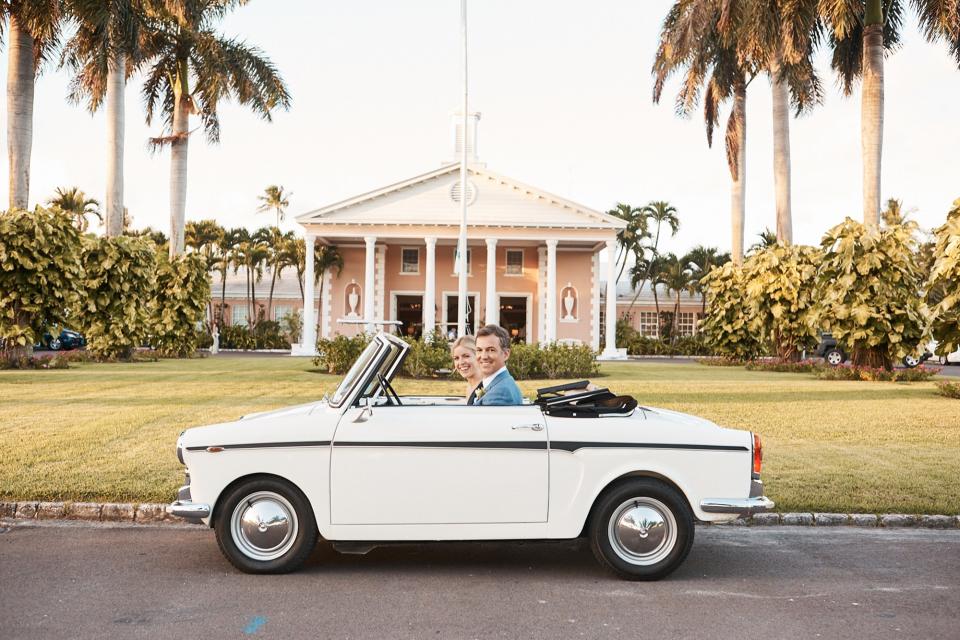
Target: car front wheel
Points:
x,y
54,344
911,361
265,526
834,357
642,529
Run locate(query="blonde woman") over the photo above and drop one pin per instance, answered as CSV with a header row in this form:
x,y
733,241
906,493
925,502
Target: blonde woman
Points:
x,y
464,352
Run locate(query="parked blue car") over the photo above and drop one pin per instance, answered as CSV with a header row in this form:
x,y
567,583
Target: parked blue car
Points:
x,y
66,339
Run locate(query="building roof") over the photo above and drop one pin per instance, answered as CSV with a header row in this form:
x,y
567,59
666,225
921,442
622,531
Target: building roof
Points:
x,y
428,199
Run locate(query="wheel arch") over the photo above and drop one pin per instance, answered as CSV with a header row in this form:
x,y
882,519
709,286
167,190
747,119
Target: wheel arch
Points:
x,y
214,509
629,475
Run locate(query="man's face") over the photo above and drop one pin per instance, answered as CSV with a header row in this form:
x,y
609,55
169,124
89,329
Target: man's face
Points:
x,y
490,356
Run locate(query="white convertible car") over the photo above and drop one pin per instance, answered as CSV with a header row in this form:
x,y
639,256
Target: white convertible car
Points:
x,y
367,467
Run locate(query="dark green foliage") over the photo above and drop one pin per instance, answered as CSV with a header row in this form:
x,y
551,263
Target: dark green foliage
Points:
x,y
338,354
427,357
179,304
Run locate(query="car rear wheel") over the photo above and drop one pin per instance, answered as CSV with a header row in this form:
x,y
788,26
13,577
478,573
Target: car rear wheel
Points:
x,y
834,357
911,361
265,526
54,344
641,529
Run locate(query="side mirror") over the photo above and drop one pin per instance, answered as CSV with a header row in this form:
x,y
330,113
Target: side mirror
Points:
x,y
366,412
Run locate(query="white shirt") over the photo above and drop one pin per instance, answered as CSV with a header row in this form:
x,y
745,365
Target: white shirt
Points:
x,y
486,381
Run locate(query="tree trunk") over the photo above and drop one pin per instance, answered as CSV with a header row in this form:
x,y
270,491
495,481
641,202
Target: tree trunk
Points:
x,y
178,160
738,189
781,152
20,80
223,293
247,269
273,282
676,320
867,357
116,74
253,297
871,121
319,304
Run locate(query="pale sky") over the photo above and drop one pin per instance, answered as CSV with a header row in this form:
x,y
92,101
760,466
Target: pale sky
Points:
x,y
564,90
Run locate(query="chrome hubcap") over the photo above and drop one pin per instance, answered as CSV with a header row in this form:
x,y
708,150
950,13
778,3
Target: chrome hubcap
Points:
x,y
833,358
642,531
264,526
910,361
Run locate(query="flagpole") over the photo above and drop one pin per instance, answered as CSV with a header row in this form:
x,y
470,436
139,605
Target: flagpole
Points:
x,y
462,242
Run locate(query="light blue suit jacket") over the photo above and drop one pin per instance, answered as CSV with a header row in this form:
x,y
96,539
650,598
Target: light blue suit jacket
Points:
x,y
503,390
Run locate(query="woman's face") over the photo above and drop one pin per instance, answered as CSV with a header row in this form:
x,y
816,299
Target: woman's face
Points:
x,y
465,362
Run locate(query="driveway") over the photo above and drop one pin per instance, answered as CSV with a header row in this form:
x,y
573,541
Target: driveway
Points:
x,y
65,581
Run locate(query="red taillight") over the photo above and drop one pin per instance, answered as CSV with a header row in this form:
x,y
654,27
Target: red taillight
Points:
x,y
757,453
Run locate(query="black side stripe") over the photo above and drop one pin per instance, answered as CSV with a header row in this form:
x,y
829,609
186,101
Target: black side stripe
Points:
x,y
561,445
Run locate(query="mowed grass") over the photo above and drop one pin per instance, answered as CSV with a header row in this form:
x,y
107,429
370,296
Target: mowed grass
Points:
x,y
107,431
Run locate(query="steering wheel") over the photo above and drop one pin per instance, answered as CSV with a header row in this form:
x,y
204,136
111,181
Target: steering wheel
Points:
x,y
388,391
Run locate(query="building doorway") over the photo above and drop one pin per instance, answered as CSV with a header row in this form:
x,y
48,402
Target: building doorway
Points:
x,y
515,317
450,314
410,314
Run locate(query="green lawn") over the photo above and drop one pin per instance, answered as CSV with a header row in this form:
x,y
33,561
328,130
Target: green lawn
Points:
x,y
107,431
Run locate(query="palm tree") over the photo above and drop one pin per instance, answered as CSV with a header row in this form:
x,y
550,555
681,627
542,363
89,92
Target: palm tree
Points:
x,y
662,212
861,31
325,257
768,238
205,237
644,271
277,243
700,38
629,239
190,69
700,260
34,30
225,258
76,203
103,53
676,277
274,199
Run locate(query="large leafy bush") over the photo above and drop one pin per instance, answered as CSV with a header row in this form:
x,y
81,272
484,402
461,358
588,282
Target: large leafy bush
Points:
x,y
729,327
869,292
40,276
118,282
780,292
943,287
337,355
179,304
427,357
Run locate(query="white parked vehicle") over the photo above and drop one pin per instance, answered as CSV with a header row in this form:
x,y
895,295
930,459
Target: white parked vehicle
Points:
x,y
368,466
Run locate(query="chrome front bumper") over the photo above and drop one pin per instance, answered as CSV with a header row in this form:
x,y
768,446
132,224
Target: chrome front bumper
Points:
x,y
739,506
189,510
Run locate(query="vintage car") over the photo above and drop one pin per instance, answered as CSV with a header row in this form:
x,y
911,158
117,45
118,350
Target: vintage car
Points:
x,y
368,466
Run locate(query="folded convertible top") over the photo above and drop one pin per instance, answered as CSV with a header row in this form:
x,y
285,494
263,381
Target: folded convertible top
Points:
x,y
577,400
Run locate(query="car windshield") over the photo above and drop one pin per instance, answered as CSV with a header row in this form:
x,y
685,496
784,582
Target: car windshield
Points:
x,y
355,372
383,370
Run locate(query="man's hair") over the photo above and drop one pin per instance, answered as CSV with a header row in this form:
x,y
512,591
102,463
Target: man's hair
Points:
x,y
499,332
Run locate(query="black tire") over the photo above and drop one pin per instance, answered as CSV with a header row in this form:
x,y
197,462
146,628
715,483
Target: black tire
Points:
x,y
834,357
54,344
664,513
911,361
265,498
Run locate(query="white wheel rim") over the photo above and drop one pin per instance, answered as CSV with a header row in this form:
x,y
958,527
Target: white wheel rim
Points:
x,y
642,531
264,526
834,358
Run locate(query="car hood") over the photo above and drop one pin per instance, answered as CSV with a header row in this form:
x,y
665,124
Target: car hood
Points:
x,y
290,424
666,416
300,409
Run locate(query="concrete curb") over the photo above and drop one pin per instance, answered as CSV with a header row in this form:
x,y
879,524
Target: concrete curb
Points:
x,y
148,513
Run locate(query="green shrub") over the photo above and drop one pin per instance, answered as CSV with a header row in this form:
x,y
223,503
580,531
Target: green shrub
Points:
x,y
268,334
292,325
722,361
869,292
118,283
949,389
567,361
59,361
338,354
876,374
524,362
943,286
729,326
427,356
179,304
236,336
41,276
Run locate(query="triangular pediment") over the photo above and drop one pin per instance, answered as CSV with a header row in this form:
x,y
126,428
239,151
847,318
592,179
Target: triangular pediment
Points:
x,y
433,199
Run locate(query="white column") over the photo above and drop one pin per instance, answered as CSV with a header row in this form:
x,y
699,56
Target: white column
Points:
x,y
610,351
308,341
430,289
369,283
551,293
493,311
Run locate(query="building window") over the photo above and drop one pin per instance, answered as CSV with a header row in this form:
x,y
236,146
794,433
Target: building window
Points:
x,y
648,324
514,262
280,312
410,260
686,323
239,314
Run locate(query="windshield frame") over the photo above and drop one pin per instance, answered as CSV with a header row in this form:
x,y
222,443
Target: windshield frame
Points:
x,y
388,352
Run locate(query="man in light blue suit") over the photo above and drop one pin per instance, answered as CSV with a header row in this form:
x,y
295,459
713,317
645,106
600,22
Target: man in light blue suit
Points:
x,y
498,386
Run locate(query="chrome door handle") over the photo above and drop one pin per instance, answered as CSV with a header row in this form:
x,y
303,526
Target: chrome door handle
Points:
x,y
532,427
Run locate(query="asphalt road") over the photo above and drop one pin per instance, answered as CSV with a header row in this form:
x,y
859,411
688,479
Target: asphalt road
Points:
x,y
63,581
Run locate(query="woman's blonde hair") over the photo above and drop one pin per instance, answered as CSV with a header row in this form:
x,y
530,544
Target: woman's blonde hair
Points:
x,y
467,341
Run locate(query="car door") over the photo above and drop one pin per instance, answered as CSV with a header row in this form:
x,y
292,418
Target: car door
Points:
x,y
439,465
